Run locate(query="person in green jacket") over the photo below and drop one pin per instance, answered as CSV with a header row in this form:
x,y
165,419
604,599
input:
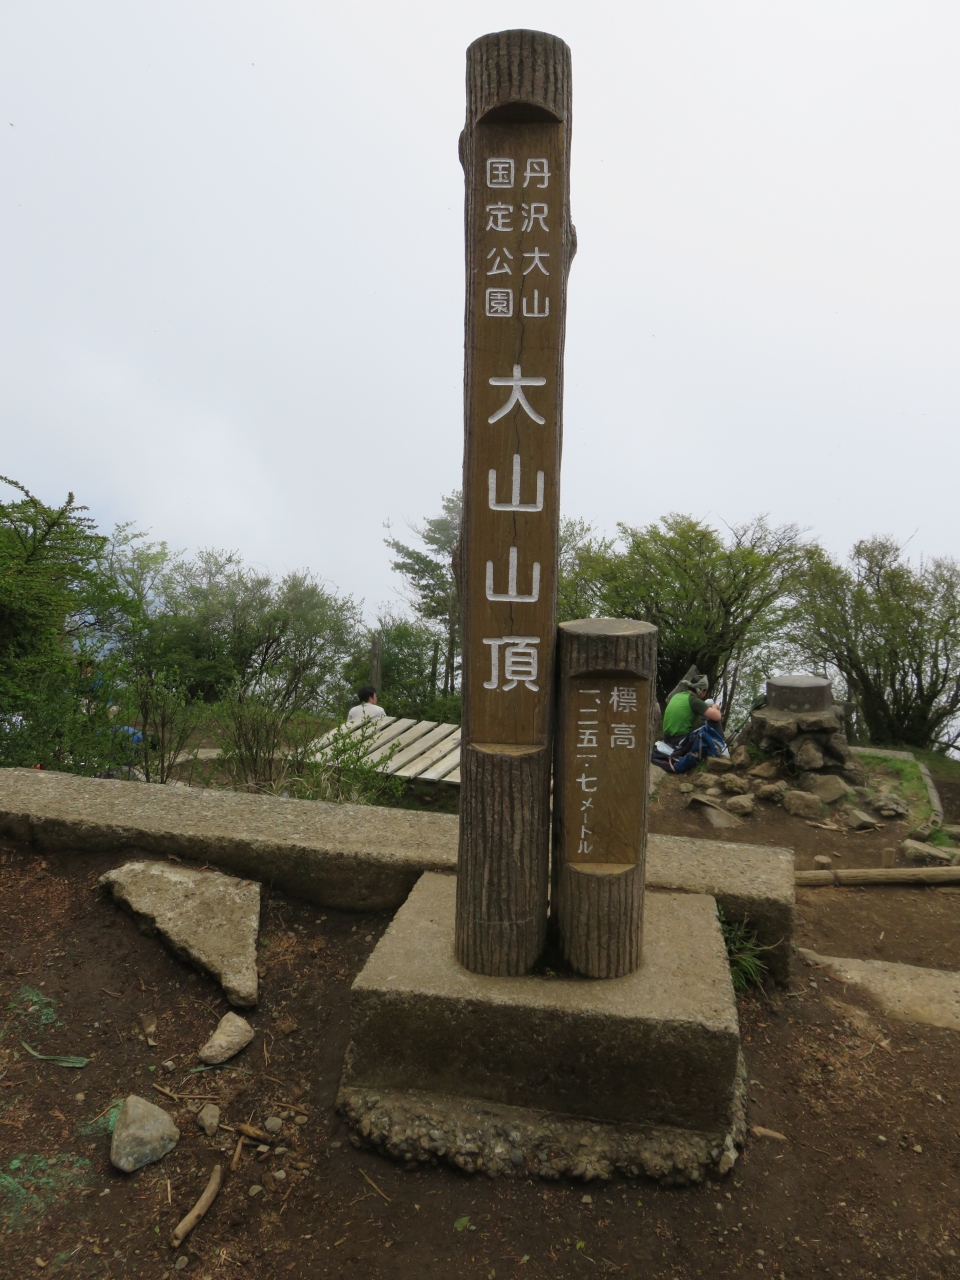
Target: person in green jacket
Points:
x,y
685,710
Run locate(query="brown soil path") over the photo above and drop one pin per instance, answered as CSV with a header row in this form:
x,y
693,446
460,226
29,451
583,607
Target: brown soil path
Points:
x,y
75,973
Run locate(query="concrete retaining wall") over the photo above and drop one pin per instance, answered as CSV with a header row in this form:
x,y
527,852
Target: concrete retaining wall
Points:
x,y
352,857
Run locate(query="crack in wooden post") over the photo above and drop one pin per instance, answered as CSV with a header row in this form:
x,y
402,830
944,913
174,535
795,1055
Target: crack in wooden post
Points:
x,y
515,150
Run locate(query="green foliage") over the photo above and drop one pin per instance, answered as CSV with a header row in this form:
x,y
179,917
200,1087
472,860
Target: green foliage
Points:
x,y
432,589
717,603
336,768
55,683
892,632
747,969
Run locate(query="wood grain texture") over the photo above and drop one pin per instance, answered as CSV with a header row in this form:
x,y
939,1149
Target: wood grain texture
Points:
x,y
601,919
503,870
518,119
526,68
599,855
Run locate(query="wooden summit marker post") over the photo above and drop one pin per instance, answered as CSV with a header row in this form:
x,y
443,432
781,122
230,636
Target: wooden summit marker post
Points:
x,y
606,680
515,150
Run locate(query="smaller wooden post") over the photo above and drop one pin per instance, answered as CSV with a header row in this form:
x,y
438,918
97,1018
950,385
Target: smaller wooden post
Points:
x,y
376,661
607,672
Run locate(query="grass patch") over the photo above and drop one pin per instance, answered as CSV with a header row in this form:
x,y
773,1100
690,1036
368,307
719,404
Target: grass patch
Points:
x,y
32,1186
744,953
942,767
33,1008
907,779
940,839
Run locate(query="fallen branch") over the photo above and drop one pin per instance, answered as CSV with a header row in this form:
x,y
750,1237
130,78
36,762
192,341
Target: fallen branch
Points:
x,y
251,1131
166,1093
759,1131
199,1209
879,875
375,1187
235,1162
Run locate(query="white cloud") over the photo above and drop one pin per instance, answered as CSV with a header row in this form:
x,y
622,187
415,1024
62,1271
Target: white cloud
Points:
x,y
231,286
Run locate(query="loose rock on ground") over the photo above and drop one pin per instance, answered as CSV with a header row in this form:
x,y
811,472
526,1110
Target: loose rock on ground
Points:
x,y
143,1134
233,1033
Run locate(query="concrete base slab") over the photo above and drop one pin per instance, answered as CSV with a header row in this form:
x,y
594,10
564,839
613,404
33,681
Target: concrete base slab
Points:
x,y
210,919
904,991
657,1049
751,883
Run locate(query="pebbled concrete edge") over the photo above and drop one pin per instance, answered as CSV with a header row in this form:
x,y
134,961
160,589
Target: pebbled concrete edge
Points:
x,y
478,1136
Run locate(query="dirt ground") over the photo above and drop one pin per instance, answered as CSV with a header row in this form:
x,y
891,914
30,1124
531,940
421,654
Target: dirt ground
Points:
x,y
865,1185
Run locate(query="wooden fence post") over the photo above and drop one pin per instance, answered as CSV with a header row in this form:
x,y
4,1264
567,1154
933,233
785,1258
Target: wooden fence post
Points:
x,y
607,681
515,150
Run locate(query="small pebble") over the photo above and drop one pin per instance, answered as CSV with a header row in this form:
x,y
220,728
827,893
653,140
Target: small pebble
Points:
x,y
262,1149
181,1262
368,938
170,1066
279,1174
299,1119
586,1199
281,1151
335,1145
79,1097
881,1140
918,1149
273,1124
254,1191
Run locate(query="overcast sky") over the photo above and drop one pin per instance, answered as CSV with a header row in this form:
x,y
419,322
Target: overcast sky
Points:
x,y
231,281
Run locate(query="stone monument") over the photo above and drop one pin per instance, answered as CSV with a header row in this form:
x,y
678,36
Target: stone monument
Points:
x,y
802,726
457,1052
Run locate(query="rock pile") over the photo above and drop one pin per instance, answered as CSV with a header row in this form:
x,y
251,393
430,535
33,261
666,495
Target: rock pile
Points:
x,y
802,723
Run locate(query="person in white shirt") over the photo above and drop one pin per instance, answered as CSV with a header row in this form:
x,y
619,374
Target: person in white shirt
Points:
x,y
368,709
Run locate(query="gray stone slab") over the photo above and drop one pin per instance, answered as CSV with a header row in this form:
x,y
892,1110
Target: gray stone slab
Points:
x,y
354,857
658,1047
208,918
904,991
752,883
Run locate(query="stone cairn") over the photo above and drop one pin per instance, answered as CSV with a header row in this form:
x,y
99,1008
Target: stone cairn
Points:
x,y
802,724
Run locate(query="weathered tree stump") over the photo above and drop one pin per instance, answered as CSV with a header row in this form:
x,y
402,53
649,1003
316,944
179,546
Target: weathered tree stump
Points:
x,y
515,151
607,677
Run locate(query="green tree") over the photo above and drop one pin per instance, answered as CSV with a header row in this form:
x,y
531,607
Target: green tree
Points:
x,y
285,643
52,596
57,682
891,630
716,601
158,694
432,589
